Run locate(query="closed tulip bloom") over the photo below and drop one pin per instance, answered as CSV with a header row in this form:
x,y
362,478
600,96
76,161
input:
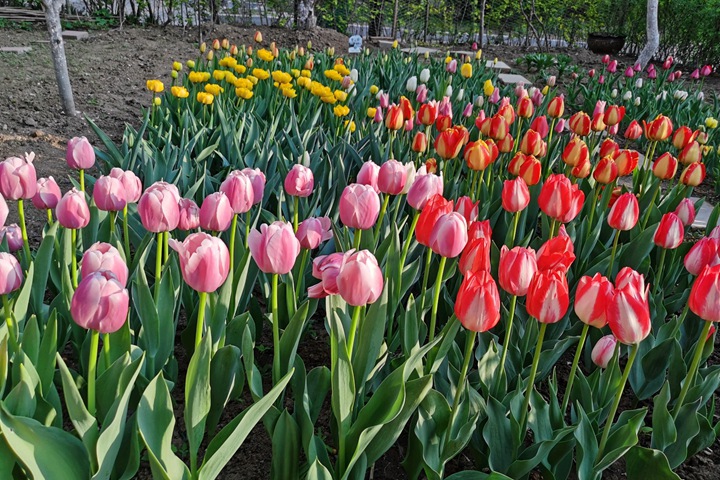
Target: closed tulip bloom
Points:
x,y
449,142
606,171
103,256
80,154
427,113
624,213
603,351
449,235
659,129
558,253
515,195
555,196
11,274
72,210
4,211
548,297
627,161
525,108
686,212
670,231
531,143
189,215
394,118
109,194
480,229
420,143
577,198
17,178
359,206
422,93
580,124
465,207
205,260
665,166
475,256
274,247
423,189
691,153
575,152
360,280
634,131
556,107
13,234
507,144
131,183
313,231
498,127
443,122
392,177
159,208
598,123
682,137
701,254
326,269
436,207
100,303
531,170
47,195
704,298
368,175
477,155
477,305
239,191
706,70
582,169
257,178
591,298
516,269
216,213
628,312
540,125
299,181
614,115
609,148
693,175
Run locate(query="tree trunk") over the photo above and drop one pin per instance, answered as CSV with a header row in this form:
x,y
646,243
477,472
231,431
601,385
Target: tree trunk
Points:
x,y
482,23
57,49
653,34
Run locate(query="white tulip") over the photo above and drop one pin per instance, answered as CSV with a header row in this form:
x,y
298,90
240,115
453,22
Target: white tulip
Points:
x,y
424,75
614,93
636,102
411,84
639,82
448,91
479,101
460,94
354,75
627,95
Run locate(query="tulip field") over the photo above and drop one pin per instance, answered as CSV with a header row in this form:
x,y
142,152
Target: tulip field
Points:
x,y
507,275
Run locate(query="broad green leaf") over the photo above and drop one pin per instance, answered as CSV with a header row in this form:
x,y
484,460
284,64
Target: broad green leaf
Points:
x,y
643,463
663,425
225,372
197,395
285,448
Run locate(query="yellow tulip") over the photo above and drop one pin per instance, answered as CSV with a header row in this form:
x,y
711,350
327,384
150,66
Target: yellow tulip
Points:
x,y
546,89
157,101
265,55
466,70
190,64
711,123
341,110
219,75
260,74
371,112
340,95
177,66
244,93
179,92
205,98
488,88
155,86
214,89
373,89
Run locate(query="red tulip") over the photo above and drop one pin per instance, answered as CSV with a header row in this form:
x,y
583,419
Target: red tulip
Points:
x,y
628,312
525,107
508,112
580,124
274,247
449,235
469,210
477,155
420,143
407,109
507,144
11,273
498,127
558,253
427,114
665,166
477,305
555,196
659,129
394,118
359,206
691,153
634,131
531,170
575,152
609,148
701,254
475,256
556,107
582,169
614,115
577,198
436,207
670,232
548,297
360,280
606,171
449,142
693,175
682,137
624,213
480,230
531,143
443,122
686,211
627,161
100,303
598,123
540,125
516,162
516,269
667,64
591,298
515,195
704,298
603,351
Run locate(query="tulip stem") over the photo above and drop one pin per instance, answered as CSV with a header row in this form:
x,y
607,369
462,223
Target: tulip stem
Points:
x,y
436,298
233,229
658,277
616,403
106,349
506,343
82,180
276,328
460,388
408,240
248,219
517,135
200,320
680,321
296,214
73,271
593,207
533,372
126,235
649,208
516,220
353,330
612,255
111,216
699,347
553,224
23,231
49,217
10,324
158,265
573,369
356,239
426,274
166,247
383,209
301,272
92,367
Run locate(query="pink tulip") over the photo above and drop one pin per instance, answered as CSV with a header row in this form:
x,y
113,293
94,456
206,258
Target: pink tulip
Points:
x,y
239,190
637,67
449,235
599,108
109,194
451,67
475,256
424,188
47,195
392,177
686,211
591,73
72,210
133,185
601,79
359,206
409,125
360,280
652,74
378,118
100,303
216,213
701,254
603,351
313,231
204,261
11,274
13,234
445,107
274,247
421,94
629,72
695,75
80,154
706,70
560,125
189,215
495,96
159,208
467,111
384,99
326,269
591,298
3,210
17,178
605,59
299,181
257,178
103,256
537,97
612,66
368,174
516,269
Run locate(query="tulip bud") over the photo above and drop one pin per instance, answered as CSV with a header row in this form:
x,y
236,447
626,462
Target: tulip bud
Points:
x,y
548,296
189,215
628,312
100,303
603,351
13,234
686,212
627,161
11,273
72,210
216,213
515,195
360,280
591,297
624,213
449,235
606,171
693,175
700,255
477,305
47,196
691,153
359,206
299,181
274,247
109,194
